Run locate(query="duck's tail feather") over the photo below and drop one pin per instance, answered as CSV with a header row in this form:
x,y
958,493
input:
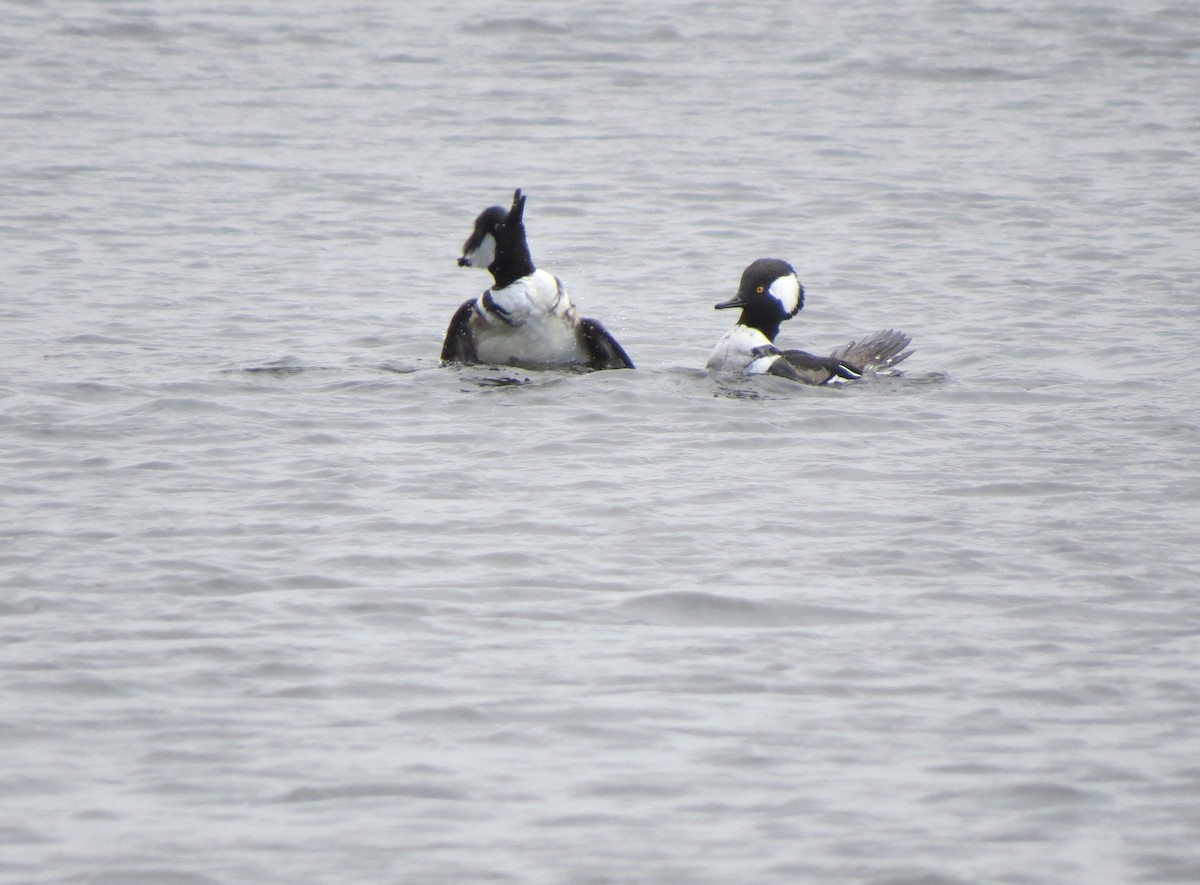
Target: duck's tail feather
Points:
x,y
877,354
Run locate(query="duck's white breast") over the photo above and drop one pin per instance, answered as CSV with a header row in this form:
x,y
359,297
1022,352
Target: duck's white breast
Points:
x,y
538,325
735,352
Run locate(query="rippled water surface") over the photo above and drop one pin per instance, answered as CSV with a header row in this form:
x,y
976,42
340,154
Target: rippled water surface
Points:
x,y
282,600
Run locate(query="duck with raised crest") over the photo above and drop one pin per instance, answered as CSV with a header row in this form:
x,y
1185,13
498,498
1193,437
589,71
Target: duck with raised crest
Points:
x,y
769,294
526,318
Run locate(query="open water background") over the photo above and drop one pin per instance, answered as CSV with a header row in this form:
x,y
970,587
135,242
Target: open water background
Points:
x,y
282,601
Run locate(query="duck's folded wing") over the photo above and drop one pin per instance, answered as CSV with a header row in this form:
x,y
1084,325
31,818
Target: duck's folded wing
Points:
x,y
877,353
784,369
459,346
602,348
813,369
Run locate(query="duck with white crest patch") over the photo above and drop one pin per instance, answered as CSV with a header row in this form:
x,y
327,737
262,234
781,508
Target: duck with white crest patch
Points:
x,y
526,318
769,294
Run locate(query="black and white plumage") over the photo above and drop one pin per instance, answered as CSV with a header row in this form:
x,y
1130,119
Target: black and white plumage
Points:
x,y
769,294
526,318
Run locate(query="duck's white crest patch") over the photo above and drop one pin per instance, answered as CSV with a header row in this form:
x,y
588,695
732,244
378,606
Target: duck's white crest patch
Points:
x,y
484,255
786,290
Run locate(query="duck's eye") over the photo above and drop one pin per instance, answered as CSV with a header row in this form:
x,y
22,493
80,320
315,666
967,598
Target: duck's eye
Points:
x,y
759,290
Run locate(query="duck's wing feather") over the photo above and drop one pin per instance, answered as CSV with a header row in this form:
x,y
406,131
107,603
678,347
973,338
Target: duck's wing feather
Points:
x,y
602,348
459,346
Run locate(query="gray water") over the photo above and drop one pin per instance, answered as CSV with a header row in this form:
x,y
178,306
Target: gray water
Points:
x,y
284,601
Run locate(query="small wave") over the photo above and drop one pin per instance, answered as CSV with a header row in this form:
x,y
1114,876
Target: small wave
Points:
x,y
155,876
957,73
1019,489
372,791
514,25
692,608
93,338
126,30
408,58
17,835
281,368
585,822
453,714
1043,794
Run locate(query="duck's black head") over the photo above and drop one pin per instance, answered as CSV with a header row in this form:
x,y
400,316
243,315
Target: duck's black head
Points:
x,y
768,294
498,243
